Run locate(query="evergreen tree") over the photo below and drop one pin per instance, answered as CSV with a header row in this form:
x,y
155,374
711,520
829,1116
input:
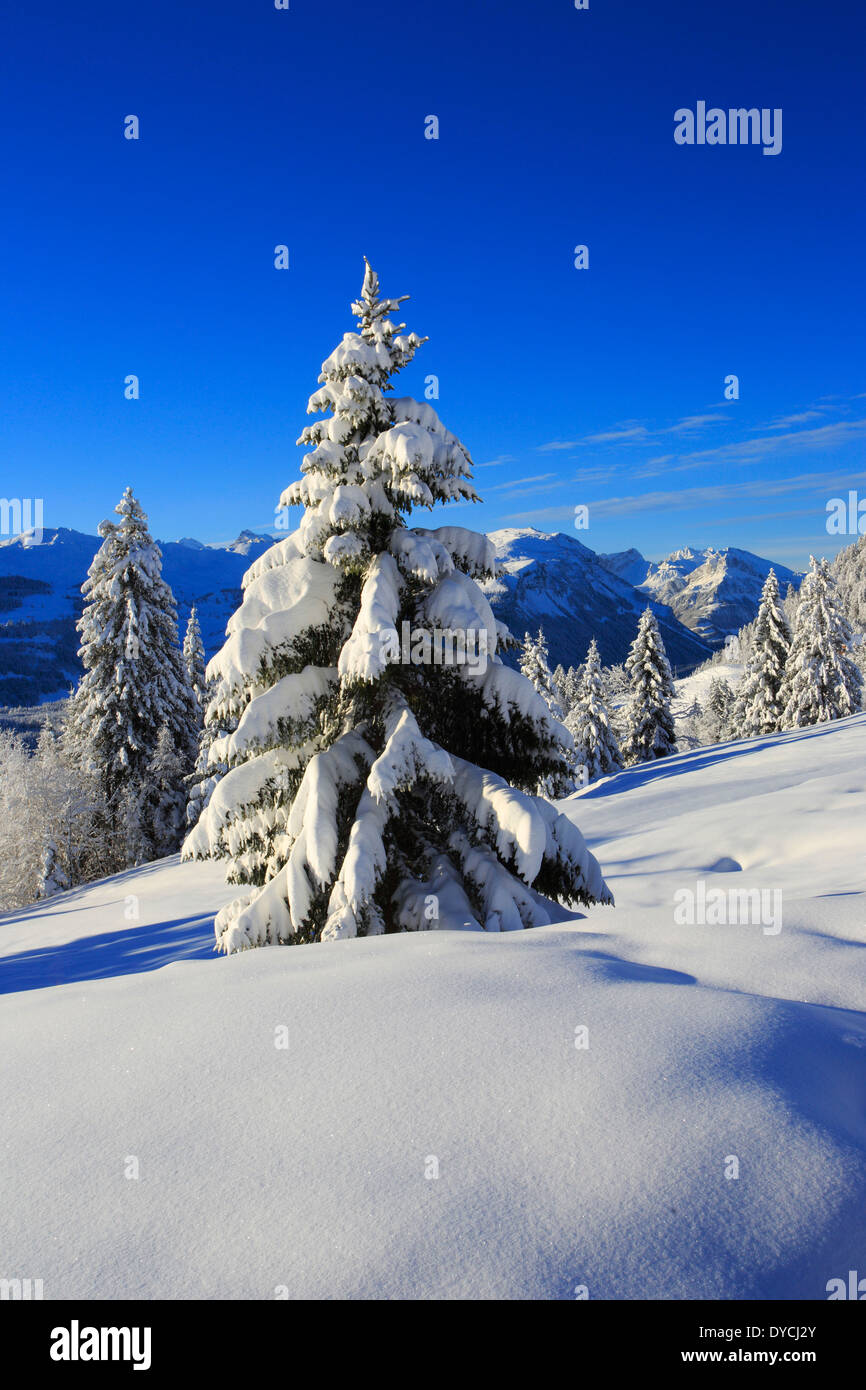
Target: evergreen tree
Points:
x,y
649,724
53,878
590,725
570,688
689,725
193,658
717,721
821,680
353,804
210,764
535,666
134,676
790,604
849,572
127,834
165,796
758,709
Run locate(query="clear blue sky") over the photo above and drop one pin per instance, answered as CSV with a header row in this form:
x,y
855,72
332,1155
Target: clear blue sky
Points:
x,y
601,387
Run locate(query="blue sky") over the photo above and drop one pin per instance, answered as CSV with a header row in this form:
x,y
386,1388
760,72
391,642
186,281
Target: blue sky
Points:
x,y
601,387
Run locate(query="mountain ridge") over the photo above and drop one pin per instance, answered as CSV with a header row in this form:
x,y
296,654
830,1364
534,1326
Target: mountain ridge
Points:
x,y
550,580
712,591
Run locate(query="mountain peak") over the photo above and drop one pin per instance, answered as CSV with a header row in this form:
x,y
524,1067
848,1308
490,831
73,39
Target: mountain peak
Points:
x,y
247,541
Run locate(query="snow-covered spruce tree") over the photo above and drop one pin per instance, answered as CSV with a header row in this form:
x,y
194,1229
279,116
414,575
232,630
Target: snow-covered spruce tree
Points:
x,y
200,782
566,685
717,723
757,709
130,842
849,572
821,682
570,688
535,666
589,722
164,797
209,768
790,604
193,657
53,878
689,725
649,724
371,787
134,680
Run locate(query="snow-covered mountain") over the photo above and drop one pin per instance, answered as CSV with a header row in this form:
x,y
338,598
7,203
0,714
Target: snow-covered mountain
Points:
x,y
711,592
455,1141
40,599
558,583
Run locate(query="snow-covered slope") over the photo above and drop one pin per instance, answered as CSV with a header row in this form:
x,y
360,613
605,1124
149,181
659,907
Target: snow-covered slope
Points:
x,y
431,1129
697,685
712,592
556,582
40,599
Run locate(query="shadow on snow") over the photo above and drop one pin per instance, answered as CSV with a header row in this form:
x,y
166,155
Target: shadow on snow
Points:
x,y
130,951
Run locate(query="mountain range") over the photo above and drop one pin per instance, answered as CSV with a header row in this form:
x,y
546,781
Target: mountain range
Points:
x,y
557,583
711,592
550,581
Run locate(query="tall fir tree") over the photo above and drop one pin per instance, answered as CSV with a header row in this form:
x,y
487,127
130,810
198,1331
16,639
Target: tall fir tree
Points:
x,y
717,721
135,680
689,725
354,803
210,763
822,682
849,572
757,708
561,687
790,604
193,657
535,666
597,749
165,797
570,688
649,724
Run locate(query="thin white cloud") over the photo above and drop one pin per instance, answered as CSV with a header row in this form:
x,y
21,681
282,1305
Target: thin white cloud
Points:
x,y
692,422
631,432
830,436
548,514
614,436
518,482
786,421
714,493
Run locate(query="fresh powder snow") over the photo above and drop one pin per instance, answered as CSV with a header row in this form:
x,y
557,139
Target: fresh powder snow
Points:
x,y
438,1124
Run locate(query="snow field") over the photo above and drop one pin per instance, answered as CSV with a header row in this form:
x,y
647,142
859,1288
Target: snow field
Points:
x,y
310,1168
